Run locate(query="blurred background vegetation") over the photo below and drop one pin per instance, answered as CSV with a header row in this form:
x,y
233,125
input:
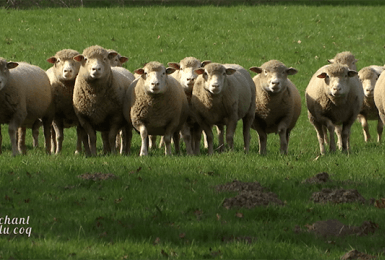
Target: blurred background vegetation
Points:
x,y
25,4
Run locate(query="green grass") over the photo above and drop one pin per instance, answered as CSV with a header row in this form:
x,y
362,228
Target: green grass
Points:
x,y
161,207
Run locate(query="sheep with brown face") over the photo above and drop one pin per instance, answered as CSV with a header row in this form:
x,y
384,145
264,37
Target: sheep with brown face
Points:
x,y
25,97
368,77
278,103
62,76
334,96
99,94
156,105
222,95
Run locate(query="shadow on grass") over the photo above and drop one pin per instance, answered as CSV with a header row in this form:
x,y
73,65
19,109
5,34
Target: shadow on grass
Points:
x,y
22,4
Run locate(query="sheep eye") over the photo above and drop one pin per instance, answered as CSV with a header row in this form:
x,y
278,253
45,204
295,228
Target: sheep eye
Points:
x,y
58,61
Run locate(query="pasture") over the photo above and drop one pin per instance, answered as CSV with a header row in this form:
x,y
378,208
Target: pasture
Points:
x,y
169,207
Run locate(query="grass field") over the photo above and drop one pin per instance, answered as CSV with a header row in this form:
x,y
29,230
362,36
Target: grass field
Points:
x,y
167,207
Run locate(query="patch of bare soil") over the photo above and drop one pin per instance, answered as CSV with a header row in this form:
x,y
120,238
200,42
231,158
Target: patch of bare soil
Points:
x,y
337,196
321,177
97,176
354,254
250,195
334,228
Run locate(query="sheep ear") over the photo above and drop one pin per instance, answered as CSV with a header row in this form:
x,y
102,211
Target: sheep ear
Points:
x,y
112,54
12,65
170,70
323,75
139,71
52,60
174,65
352,73
123,59
79,58
230,71
291,71
205,62
256,69
199,71
331,61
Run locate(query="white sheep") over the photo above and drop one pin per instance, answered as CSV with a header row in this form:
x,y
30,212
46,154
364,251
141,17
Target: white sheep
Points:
x,y
379,98
62,76
278,103
25,97
368,77
346,58
334,96
156,105
222,95
98,95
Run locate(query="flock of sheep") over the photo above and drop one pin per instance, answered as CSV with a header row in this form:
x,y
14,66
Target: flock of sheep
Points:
x,y
93,92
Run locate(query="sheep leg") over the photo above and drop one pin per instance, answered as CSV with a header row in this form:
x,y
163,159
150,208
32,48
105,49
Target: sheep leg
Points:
x,y
21,141
106,143
247,122
187,137
12,131
79,141
338,131
35,133
332,143
47,123
230,130
91,137
144,136
53,139
127,139
176,139
321,134
196,138
380,127
209,137
221,140
365,127
262,138
58,127
82,134
114,130
282,131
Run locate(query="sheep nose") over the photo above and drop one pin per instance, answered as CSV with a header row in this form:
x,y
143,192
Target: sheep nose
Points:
x,y
67,70
96,69
215,85
190,80
154,84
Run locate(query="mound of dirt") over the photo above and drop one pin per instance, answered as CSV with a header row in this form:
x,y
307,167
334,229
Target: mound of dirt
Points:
x,y
251,199
250,195
97,176
239,186
354,254
337,196
335,228
321,177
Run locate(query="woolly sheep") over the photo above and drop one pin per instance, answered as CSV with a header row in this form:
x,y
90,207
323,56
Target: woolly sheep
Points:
x,y
25,97
368,76
334,96
156,105
346,58
185,74
62,76
117,62
278,103
98,95
379,98
222,95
